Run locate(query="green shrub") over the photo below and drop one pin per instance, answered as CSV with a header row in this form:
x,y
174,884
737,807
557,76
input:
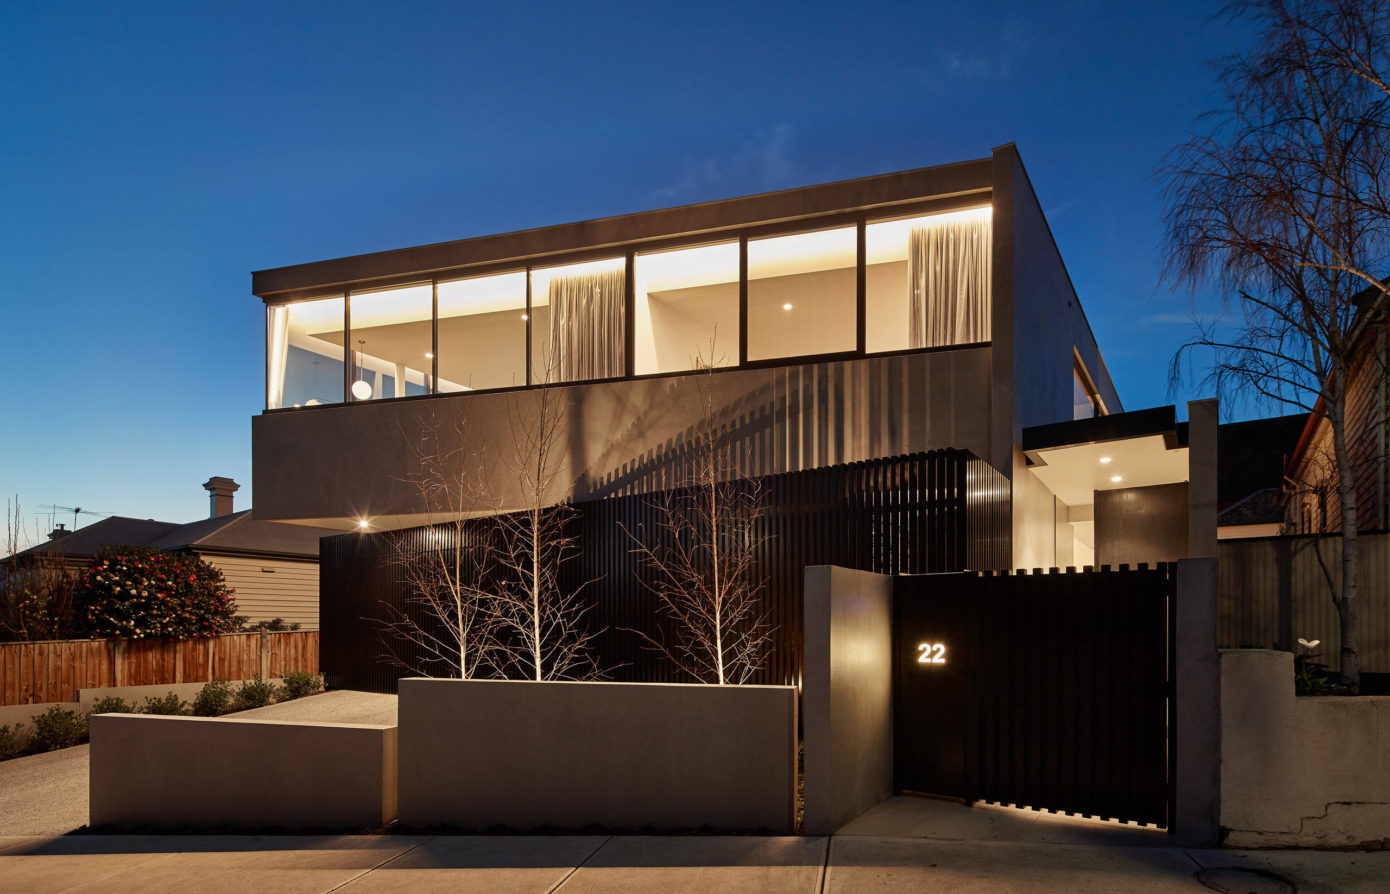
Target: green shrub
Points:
x,y
169,705
10,745
1311,677
213,699
111,704
298,683
255,693
138,592
244,624
57,728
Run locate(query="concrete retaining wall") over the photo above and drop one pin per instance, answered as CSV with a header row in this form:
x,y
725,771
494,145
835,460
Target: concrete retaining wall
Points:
x,y
847,695
480,753
194,772
1300,772
21,717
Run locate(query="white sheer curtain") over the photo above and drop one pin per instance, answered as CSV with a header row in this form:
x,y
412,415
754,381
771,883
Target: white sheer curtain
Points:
x,y
277,354
949,282
586,326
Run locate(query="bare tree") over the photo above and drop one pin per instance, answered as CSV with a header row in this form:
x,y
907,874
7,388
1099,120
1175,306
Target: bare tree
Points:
x,y
1281,204
703,558
548,638
450,622
37,588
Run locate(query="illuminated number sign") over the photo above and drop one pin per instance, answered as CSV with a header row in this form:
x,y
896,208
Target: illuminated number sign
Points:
x,y
931,653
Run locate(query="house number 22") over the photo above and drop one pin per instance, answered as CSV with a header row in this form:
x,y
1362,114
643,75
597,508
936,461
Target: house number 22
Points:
x,y
931,653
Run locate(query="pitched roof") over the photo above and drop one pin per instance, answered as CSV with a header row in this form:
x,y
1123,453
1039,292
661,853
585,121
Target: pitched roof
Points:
x,y
85,542
236,533
239,532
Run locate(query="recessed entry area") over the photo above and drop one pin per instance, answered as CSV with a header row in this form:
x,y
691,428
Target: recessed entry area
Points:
x,y
1114,491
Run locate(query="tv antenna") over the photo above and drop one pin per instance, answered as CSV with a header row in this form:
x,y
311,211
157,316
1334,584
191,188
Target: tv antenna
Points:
x,y
76,511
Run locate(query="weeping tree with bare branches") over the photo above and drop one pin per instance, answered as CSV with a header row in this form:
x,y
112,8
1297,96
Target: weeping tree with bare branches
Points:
x,y
1281,204
702,559
450,622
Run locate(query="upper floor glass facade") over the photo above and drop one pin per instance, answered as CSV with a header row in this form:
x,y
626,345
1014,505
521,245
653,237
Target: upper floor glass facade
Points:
x,y
871,285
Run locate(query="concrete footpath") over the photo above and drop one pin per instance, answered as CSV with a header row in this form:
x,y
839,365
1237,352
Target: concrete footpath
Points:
x,y
386,863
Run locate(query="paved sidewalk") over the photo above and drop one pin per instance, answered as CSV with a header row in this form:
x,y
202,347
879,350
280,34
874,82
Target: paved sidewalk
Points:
x,y
542,864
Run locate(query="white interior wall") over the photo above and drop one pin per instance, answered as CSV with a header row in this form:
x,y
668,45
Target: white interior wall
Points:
x,y
886,307
822,318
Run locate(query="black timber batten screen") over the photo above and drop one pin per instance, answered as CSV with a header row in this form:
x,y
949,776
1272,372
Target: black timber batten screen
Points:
x,y
946,510
1052,691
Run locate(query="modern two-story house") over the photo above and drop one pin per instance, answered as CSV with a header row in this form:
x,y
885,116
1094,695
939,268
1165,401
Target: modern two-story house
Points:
x,y
890,315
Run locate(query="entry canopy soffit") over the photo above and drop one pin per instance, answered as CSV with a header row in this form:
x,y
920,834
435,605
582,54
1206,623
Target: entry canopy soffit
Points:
x,y
1138,449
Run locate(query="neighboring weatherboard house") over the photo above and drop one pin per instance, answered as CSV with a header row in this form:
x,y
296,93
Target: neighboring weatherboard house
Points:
x,y
273,567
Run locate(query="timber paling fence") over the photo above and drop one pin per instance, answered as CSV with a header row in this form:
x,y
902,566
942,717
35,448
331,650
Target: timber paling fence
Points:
x,y
929,512
1273,592
53,671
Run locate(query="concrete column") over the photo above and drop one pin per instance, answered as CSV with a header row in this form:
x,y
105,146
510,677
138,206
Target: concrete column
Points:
x,y
1197,706
1202,419
846,694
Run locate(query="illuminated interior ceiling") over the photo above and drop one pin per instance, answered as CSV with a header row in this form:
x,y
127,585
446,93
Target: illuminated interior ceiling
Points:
x,y
1075,472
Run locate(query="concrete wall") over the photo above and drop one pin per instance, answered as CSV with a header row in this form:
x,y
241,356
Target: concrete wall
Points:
x,y
1050,326
1300,772
847,695
20,718
1039,330
1197,706
203,773
479,753
1141,524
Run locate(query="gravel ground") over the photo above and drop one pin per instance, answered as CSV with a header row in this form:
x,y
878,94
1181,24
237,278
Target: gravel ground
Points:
x,y
340,706
46,794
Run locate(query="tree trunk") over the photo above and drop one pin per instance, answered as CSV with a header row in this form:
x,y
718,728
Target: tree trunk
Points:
x,y
1347,604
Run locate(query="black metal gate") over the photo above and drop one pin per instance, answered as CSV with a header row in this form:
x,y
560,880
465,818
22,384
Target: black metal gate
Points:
x,y
1048,691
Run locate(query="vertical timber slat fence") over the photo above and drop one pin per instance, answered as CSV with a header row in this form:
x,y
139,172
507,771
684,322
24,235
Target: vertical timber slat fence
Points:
x,y
941,511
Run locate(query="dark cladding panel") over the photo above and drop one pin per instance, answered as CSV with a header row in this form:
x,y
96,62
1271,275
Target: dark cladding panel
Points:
x,y
931,512
1141,524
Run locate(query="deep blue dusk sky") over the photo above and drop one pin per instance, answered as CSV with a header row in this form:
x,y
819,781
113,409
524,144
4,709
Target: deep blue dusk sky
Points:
x,y
153,155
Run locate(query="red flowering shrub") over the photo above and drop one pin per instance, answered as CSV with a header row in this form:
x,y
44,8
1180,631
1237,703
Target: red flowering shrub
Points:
x,y
137,592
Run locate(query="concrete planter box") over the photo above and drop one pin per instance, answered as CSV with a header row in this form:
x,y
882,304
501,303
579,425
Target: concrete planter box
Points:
x,y
475,754
197,772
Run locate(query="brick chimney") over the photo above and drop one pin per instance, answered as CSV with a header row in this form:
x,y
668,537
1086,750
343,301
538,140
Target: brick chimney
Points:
x,y
60,531
220,492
